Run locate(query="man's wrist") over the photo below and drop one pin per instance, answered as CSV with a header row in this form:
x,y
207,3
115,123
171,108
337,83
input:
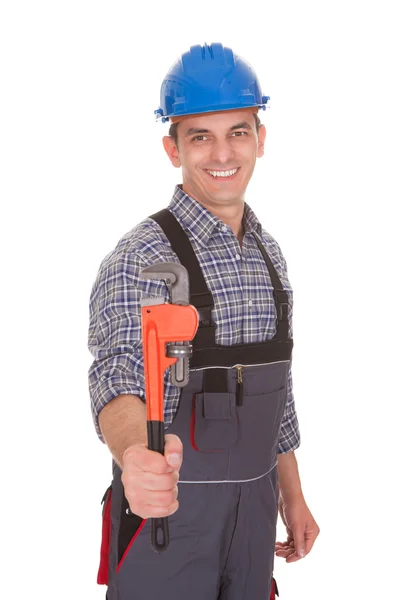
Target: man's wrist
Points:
x,y
288,478
291,495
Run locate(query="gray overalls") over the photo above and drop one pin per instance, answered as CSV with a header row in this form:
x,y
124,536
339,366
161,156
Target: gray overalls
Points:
x,y
222,537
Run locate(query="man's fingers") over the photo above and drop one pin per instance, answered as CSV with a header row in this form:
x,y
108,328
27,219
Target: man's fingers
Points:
x,y
285,544
292,558
140,458
149,511
150,484
165,498
282,552
153,482
288,553
290,549
284,549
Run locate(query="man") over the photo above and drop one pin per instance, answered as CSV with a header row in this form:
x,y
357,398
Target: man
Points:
x,y
232,431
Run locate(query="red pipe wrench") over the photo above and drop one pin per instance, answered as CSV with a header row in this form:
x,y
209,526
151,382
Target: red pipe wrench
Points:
x,y
162,325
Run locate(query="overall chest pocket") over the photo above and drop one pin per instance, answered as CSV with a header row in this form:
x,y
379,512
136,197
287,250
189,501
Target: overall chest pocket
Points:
x,y
259,423
214,421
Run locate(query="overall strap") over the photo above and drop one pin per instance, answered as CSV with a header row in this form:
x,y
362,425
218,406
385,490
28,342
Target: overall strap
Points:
x,y
280,296
200,296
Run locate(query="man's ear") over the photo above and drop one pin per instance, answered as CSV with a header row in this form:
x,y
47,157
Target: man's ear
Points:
x,y
171,149
262,132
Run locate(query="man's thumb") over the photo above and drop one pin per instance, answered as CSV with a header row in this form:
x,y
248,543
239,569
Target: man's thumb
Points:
x,y
299,543
174,460
173,450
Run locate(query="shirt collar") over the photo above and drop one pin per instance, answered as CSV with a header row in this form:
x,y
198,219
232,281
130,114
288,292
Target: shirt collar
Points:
x,y
200,222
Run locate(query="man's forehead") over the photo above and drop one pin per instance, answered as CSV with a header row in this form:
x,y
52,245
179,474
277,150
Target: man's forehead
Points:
x,y
221,119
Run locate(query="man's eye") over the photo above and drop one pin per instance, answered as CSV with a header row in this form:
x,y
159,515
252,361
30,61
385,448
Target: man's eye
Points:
x,y
241,133
198,137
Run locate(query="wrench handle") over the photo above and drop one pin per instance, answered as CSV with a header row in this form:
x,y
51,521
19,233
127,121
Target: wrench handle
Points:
x,y
156,442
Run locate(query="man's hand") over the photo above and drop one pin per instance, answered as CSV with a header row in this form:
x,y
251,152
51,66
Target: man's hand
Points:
x,y
301,528
150,478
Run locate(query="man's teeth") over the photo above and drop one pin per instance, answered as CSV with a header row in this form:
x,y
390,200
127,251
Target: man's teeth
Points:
x,y
222,173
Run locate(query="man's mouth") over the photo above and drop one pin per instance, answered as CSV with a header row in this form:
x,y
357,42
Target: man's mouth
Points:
x,y
223,175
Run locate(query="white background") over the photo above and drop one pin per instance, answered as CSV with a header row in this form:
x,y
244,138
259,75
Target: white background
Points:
x,y
82,163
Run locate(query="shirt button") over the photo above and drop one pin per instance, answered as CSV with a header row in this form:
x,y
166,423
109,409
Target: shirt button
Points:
x,y
250,302
237,257
223,228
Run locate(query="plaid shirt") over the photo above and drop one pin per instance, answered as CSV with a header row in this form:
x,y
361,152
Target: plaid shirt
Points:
x,y
244,310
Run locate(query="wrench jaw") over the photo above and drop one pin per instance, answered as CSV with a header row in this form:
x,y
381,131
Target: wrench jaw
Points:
x,y
152,301
177,280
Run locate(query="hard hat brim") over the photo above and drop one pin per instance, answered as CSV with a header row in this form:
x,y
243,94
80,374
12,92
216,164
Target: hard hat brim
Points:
x,y
253,109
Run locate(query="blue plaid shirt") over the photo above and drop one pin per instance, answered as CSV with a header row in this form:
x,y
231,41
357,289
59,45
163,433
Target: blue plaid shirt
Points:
x,y
244,310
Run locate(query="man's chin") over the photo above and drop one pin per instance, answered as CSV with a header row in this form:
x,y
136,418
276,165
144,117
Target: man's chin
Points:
x,y
214,193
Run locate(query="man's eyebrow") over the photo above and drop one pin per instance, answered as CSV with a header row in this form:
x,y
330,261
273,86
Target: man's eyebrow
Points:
x,y
193,130
242,125
196,131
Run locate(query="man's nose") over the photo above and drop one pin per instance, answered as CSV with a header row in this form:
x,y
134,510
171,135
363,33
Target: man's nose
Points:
x,y
221,152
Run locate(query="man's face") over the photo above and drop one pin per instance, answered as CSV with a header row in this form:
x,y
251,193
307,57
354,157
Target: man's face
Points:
x,y
217,154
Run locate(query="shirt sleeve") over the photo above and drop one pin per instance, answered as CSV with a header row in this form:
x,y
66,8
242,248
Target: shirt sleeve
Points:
x,y
115,329
289,438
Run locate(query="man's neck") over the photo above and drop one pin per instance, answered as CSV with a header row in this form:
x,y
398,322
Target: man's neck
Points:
x,y
230,215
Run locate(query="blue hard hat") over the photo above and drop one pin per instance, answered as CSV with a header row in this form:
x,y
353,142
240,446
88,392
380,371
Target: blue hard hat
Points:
x,y
207,79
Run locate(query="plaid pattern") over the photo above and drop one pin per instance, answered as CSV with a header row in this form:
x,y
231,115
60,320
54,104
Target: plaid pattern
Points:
x,y
238,279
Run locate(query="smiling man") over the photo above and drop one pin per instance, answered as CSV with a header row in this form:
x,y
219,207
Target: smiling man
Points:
x,y
229,462
217,152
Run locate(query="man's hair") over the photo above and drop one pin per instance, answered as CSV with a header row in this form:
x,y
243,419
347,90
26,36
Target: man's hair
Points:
x,y
173,130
